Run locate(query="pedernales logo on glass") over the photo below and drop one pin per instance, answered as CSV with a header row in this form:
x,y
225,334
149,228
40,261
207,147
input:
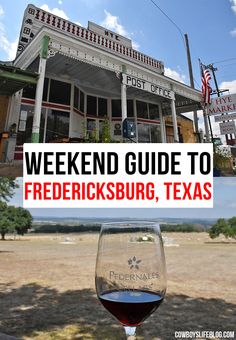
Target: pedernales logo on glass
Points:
x,y
134,264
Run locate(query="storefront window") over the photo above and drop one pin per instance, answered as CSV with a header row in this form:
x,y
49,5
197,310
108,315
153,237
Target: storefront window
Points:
x,y
101,130
130,108
59,92
143,133
116,107
76,97
45,89
81,104
25,125
142,109
30,91
91,129
57,125
149,133
155,131
153,112
91,105
42,127
102,107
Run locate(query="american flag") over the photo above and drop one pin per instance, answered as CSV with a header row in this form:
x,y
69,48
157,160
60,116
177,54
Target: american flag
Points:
x,y
206,88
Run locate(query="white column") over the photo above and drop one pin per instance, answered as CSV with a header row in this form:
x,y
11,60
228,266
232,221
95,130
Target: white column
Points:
x,y
123,102
174,120
38,100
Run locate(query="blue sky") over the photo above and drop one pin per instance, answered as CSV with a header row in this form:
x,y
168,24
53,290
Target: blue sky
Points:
x,y
211,28
224,206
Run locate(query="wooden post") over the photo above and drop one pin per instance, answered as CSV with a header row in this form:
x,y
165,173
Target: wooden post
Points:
x,y
190,69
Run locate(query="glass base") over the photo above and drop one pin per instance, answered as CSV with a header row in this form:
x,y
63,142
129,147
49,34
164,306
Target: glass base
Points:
x,y
130,332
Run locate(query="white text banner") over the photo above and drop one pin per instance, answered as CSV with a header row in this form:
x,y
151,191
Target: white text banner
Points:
x,y
121,175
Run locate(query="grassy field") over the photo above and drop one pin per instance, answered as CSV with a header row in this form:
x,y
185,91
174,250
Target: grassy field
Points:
x,y
47,289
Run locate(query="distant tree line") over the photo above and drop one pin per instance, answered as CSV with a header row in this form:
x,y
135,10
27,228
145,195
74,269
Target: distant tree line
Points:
x,y
60,228
184,228
224,227
95,227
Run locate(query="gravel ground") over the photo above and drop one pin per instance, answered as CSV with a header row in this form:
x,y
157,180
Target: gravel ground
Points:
x,y
47,289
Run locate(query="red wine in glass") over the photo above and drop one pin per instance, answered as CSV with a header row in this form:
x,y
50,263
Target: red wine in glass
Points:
x,y
130,271
131,308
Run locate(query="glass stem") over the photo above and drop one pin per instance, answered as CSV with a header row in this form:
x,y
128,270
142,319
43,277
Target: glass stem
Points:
x,y
130,332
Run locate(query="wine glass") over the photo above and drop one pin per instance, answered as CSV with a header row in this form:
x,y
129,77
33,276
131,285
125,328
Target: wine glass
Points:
x,y
130,271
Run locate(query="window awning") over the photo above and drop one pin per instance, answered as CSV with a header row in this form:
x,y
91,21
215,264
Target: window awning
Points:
x,y
13,79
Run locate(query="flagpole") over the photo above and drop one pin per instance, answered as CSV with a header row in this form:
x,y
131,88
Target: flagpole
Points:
x,y
209,120
206,112
190,69
206,125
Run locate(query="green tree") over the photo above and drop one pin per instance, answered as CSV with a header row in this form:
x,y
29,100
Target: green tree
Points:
x,y
23,220
7,188
224,227
14,219
232,225
6,223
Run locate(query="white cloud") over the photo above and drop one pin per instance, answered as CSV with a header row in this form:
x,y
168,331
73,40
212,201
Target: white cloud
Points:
x,y
135,45
57,11
175,75
233,6
112,23
229,85
12,49
78,23
7,46
1,11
